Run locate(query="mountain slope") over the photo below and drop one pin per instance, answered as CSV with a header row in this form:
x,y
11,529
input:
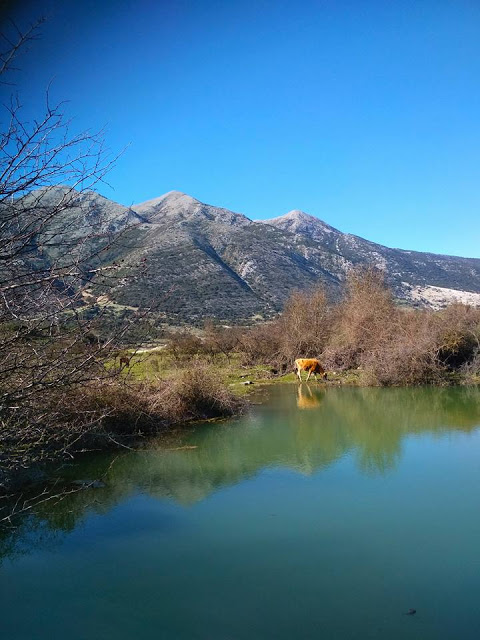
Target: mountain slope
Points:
x,y
210,261
404,269
195,260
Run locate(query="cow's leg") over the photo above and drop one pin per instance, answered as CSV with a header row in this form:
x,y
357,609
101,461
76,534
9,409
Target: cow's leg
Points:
x,y
309,374
298,372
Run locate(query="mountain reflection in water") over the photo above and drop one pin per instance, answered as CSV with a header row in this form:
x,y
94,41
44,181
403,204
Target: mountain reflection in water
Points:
x,y
306,429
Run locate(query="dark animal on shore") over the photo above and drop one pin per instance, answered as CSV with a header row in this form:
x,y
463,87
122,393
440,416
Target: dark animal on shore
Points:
x,y
124,360
311,365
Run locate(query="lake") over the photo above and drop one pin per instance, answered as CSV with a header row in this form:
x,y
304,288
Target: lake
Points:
x,y
322,513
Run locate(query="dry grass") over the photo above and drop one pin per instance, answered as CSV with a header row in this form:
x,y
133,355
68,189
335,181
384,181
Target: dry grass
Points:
x,y
195,394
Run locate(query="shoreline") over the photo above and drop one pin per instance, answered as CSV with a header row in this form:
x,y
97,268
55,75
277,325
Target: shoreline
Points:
x,y
119,436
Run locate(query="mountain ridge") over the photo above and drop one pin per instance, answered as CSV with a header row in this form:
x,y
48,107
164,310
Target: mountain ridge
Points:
x,y
200,261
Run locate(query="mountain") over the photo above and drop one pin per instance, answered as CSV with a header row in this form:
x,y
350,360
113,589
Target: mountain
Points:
x,y
71,217
414,276
207,261
301,223
196,261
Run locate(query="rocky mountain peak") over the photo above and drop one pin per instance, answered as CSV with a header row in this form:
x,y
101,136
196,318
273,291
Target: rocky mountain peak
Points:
x,y
170,202
297,214
180,207
297,221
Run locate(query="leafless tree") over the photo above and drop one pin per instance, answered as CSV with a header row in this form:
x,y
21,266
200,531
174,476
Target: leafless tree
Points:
x,y
57,262
305,324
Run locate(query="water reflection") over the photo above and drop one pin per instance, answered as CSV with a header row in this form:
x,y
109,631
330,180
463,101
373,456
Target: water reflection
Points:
x,y
308,397
304,428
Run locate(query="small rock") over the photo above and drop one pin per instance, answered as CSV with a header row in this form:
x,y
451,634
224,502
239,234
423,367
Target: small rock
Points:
x,y
248,382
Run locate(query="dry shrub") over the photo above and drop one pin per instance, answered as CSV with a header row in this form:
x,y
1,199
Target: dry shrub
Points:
x,y
363,321
90,416
183,345
107,414
219,340
407,355
305,325
119,407
459,335
422,347
261,344
195,394
367,330
303,329
471,370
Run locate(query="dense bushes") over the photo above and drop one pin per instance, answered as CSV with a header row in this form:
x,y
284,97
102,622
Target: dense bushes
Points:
x,y
366,330
196,393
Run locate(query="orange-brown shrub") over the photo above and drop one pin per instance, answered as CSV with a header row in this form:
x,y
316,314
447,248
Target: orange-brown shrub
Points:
x,y
368,330
304,327
196,393
261,344
363,321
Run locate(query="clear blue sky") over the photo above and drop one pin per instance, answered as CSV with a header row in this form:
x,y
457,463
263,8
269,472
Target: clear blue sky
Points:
x,y
365,114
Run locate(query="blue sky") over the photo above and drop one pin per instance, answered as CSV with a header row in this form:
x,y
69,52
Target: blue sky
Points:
x,y
365,114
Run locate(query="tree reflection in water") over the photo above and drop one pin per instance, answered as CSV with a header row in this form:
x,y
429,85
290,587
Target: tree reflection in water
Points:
x,y
368,424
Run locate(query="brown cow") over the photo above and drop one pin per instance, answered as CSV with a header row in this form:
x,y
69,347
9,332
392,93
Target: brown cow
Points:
x,y
124,360
311,365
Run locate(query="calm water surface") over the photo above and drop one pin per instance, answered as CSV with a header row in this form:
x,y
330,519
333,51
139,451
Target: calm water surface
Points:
x,y
324,513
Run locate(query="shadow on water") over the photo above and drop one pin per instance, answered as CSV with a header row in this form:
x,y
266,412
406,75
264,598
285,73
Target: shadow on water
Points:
x,y
306,429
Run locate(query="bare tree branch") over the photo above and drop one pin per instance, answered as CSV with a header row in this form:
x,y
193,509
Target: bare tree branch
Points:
x,y
55,334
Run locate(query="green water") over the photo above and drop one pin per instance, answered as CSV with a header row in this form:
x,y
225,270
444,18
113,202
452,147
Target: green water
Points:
x,y
320,514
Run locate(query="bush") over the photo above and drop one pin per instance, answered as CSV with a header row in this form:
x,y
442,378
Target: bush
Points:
x,y
408,356
366,330
363,322
110,413
196,393
183,345
305,326
261,344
